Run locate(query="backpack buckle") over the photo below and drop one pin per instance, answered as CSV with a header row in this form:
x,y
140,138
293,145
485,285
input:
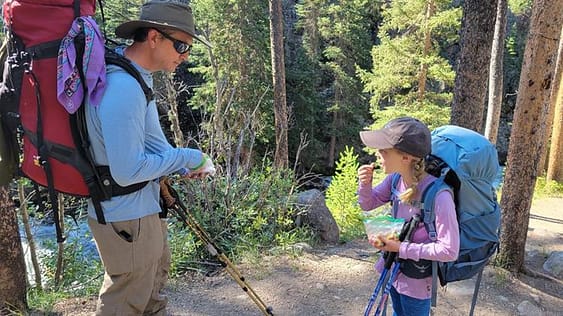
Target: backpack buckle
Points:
x,y
433,236
38,161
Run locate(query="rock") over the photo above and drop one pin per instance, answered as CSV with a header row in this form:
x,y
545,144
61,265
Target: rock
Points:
x,y
554,264
299,247
302,246
526,308
536,298
316,214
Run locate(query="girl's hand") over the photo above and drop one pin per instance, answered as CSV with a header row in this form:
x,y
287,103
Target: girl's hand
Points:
x,y
384,244
365,174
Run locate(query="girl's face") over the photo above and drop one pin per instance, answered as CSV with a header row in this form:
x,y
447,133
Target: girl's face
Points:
x,y
393,160
390,160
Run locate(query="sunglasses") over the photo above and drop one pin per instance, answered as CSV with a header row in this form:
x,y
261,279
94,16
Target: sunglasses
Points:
x,y
179,46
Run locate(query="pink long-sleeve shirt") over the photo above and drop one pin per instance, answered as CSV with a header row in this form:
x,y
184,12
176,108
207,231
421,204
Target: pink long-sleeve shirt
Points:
x,y
444,249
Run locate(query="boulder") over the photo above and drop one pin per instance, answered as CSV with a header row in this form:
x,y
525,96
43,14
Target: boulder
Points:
x,y
554,264
315,213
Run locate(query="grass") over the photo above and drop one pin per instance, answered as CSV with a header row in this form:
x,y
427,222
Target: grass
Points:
x,y
41,300
548,189
501,277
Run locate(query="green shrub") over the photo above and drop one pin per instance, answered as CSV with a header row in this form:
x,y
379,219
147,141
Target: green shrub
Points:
x,y
82,274
244,216
548,189
341,198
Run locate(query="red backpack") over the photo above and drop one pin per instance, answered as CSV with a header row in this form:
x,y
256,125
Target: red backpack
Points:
x,y
55,143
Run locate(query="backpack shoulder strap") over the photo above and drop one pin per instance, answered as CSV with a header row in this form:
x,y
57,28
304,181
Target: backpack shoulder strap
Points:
x,y
114,58
429,219
428,201
395,177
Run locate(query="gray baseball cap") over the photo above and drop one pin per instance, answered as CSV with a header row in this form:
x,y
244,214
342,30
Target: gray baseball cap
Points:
x,y
406,134
170,14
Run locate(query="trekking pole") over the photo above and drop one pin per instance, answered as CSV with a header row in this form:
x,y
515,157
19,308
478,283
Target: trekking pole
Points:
x,y
406,235
173,202
382,280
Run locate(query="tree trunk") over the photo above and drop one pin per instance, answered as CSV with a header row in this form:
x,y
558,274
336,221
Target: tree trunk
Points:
x,y
555,163
13,285
173,117
470,89
332,146
496,73
430,8
278,77
528,129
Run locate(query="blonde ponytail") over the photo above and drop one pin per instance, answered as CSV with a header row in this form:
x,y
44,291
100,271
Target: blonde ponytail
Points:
x,y
418,170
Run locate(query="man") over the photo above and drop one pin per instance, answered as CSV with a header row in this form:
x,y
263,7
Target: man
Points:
x,y
125,135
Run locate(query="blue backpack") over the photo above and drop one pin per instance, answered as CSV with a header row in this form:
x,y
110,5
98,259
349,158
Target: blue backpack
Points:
x,y
465,163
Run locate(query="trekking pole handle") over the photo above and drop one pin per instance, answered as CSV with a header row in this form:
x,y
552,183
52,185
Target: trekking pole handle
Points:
x,y
165,192
405,235
413,223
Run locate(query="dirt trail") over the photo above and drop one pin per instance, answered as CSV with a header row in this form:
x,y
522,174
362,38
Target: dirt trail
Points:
x,y
339,280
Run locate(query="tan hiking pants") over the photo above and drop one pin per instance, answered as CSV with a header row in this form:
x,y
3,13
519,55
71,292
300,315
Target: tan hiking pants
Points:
x,y
136,260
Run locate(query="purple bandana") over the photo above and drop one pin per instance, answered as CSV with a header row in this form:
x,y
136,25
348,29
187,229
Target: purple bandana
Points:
x,y
70,91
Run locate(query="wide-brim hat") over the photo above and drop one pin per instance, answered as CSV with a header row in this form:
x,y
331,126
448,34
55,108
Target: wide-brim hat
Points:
x,y
169,14
406,134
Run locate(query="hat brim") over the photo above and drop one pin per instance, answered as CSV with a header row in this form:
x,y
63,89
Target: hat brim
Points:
x,y
376,139
127,29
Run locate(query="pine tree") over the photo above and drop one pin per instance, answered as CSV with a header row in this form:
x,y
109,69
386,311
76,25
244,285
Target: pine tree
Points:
x,y
336,37
409,74
237,70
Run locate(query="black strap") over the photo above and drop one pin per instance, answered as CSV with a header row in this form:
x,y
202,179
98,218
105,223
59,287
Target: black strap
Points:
x,y
114,58
43,160
76,8
476,291
103,18
80,131
112,187
101,184
44,50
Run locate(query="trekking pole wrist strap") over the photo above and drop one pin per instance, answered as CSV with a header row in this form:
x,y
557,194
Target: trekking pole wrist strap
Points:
x,y
204,158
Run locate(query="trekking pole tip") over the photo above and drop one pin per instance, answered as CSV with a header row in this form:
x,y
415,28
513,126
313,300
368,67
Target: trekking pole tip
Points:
x,y
269,309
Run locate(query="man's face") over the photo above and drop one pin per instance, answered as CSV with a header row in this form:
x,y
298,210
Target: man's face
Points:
x,y
174,48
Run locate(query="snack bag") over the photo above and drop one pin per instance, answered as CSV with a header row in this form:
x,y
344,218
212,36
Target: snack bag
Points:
x,y
381,223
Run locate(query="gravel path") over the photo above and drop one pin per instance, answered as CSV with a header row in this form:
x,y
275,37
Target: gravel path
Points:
x,y
338,280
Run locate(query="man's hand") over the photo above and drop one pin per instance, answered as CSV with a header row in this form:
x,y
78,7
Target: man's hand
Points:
x,y
207,168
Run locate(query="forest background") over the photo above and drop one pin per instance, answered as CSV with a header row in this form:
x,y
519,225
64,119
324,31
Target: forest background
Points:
x,y
281,97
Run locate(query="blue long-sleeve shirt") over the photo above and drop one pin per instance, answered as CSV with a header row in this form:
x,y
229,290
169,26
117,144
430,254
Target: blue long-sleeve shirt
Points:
x,y
126,135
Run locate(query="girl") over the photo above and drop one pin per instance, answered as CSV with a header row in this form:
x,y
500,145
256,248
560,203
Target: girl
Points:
x,y
401,146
